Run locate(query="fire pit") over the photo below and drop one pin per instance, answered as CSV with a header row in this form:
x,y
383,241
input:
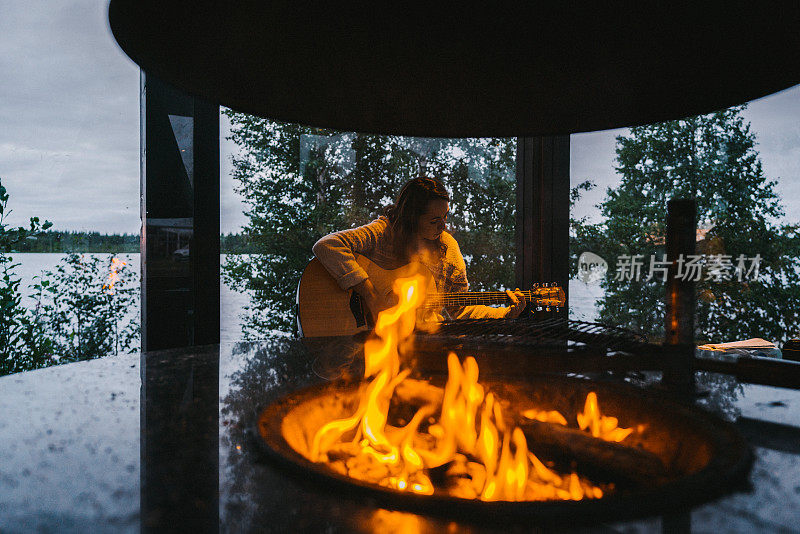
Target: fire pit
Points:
x,y
675,458
543,448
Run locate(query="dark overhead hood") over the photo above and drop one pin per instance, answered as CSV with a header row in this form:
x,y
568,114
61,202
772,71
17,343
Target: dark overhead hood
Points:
x,y
537,68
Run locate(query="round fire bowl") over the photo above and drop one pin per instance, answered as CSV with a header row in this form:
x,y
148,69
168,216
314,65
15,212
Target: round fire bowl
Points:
x,y
700,457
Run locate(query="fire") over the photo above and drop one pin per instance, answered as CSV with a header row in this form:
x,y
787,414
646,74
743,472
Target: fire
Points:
x,y
552,416
600,426
113,275
591,420
396,522
467,441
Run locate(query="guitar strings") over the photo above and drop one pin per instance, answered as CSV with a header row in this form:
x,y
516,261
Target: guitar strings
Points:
x,y
489,297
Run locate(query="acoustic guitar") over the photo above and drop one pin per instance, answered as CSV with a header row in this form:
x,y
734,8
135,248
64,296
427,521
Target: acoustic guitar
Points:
x,y
324,309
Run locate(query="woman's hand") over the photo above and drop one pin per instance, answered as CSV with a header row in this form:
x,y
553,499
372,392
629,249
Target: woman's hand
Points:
x,y
375,302
518,303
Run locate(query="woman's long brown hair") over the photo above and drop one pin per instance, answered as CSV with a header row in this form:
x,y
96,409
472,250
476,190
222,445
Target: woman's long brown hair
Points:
x,y
412,202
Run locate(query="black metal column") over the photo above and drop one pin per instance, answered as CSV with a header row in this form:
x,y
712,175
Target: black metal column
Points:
x,y
179,411
205,248
543,212
680,304
179,442
180,218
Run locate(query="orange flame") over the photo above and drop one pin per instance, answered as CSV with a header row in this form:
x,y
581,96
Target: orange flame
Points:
x,y
545,417
113,275
600,426
469,438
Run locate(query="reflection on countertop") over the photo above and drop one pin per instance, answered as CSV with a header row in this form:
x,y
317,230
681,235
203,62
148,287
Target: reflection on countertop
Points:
x,y
80,452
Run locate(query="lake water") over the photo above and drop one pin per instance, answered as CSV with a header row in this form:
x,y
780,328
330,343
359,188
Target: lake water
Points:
x,y
231,302
582,296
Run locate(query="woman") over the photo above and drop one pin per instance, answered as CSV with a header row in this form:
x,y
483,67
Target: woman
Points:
x,y
412,229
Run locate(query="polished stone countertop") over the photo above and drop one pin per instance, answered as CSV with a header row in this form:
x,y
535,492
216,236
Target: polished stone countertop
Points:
x,y
163,442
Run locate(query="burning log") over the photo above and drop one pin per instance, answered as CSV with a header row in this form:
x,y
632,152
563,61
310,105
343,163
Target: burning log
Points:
x,y
703,457
597,458
549,438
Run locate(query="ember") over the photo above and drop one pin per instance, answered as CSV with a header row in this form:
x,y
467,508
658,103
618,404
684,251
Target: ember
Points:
x,y
455,439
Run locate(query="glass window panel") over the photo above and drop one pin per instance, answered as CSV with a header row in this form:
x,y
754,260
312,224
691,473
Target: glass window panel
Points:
x,y
741,165
69,154
300,183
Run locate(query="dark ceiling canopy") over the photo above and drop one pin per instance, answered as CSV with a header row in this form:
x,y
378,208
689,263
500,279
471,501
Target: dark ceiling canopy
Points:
x,y
537,68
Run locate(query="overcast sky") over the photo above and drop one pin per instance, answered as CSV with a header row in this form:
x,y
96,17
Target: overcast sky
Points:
x,y
774,119
69,126
69,120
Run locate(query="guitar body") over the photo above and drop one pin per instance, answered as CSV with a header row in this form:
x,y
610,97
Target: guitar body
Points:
x,y
324,309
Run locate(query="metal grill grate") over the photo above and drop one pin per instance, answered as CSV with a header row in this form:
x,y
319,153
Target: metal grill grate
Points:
x,y
562,334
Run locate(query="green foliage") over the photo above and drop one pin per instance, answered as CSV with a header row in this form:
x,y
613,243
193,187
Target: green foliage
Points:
x,y
74,317
18,332
713,159
302,183
95,242
482,186
235,244
83,315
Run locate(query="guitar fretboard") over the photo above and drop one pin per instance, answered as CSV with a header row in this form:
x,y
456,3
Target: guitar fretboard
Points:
x,y
551,296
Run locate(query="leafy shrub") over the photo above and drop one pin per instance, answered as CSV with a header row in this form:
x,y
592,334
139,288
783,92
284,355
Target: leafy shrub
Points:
x,y
76,315
21,345
82,313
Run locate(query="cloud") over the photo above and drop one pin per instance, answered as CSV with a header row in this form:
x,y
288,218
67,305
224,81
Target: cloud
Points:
x,y
775,120
592,158
69,106
69,142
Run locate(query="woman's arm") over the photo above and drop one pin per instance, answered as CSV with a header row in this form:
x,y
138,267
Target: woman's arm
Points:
x,y
337,252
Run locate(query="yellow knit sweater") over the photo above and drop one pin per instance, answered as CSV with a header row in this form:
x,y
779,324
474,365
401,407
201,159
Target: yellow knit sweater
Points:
x,y
336,252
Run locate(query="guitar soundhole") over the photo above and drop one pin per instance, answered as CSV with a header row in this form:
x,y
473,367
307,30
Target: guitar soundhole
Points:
x,y
357,310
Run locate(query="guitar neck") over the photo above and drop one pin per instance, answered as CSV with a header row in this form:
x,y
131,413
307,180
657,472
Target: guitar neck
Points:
x,y
550,296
